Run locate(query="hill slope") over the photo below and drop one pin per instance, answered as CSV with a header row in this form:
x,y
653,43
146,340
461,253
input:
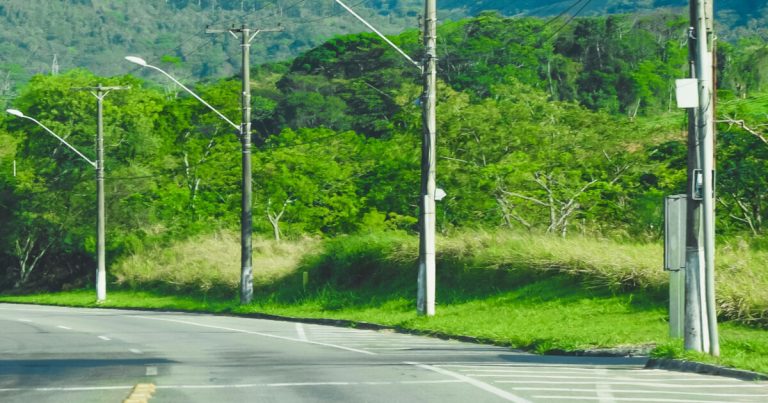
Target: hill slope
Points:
x,y
40,36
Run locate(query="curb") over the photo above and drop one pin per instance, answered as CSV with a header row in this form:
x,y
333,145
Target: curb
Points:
x,y
701,368
638,351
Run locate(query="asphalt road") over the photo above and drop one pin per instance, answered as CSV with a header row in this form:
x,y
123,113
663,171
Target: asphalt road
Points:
x,y
51,354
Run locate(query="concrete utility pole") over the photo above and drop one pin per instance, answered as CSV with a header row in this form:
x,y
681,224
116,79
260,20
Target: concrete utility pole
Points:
x,y
246,218
701,332
693,336
100,92
705,73
425,299
426,282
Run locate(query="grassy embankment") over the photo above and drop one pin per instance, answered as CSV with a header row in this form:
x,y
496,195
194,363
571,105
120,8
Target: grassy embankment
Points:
x,y
533,292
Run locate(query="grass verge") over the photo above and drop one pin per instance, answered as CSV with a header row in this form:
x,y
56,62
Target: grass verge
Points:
x,y
537,293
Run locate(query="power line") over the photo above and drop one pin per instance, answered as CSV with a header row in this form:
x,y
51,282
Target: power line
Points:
x,y
537,31
553,19
569,20
334,14
242,17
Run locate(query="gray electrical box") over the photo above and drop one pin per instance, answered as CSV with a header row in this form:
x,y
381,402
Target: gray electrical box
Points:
x,y
674,232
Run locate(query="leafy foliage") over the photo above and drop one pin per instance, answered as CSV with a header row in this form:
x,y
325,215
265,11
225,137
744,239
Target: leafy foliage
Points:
x,y
566,133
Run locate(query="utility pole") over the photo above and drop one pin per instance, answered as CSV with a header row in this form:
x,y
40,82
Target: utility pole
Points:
x,y
701,332
246,217
425,298
693,336
426,280
706,134
100,92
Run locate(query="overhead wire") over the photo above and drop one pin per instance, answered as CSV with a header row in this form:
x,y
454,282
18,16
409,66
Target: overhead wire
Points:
x,y
334,14
569,20
564,12
538,31
267,147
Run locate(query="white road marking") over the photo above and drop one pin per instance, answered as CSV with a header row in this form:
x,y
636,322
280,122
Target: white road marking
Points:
x,y
635,383
630,399
444,381
229,329
603,389
273,385
276,385
151,371
575,367
474,382
296,384
557,374
546,375
9,308
105,338
345,336
69,389
643,391
64,327
25,320
136,351
301,333
526,370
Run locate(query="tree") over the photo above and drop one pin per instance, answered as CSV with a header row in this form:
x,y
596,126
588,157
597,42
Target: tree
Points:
x,y
542,164
313,175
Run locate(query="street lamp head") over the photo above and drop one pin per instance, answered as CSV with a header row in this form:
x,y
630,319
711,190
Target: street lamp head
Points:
x,y
137,60
15,112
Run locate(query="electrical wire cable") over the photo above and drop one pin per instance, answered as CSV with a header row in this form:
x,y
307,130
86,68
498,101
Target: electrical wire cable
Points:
x,y
537,32
334,14
564,12
242,17
569,21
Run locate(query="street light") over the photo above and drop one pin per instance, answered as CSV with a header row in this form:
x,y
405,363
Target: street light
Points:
x,y
101,276
143,63
246,273
18,113
425,297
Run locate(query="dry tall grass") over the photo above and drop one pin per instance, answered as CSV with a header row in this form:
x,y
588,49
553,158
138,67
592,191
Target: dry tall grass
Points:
x,y
741,273
603,263
210,262
742,283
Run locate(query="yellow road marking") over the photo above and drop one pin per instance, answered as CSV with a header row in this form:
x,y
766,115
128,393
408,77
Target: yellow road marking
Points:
x,y
141,393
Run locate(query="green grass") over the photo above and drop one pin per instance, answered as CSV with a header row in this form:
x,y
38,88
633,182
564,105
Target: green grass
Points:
x,y
533,292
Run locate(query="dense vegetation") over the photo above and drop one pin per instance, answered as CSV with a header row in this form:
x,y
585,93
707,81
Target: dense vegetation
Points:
x,y
561,134
41,36
38,36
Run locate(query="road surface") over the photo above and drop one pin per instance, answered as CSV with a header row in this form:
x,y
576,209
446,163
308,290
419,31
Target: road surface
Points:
x,y
53,354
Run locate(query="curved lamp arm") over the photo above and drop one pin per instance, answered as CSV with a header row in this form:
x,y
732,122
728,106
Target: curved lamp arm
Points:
x,y
143,63
18,113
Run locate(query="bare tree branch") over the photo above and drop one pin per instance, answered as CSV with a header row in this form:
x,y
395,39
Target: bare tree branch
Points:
x,y
743,125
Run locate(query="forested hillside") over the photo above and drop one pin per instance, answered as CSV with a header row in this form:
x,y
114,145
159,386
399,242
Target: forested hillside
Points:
x,y
42,36
730,12
38,36
542,128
